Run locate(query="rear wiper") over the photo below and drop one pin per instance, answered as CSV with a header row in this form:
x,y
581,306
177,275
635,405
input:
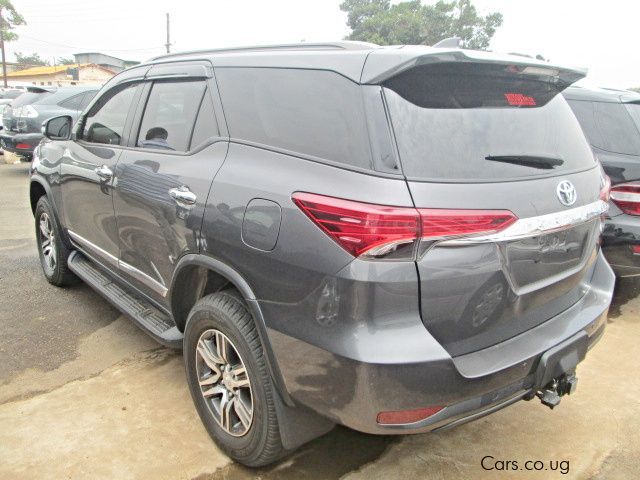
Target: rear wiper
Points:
x,y
545,163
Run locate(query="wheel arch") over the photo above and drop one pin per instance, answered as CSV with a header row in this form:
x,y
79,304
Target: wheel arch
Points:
x,y
198,275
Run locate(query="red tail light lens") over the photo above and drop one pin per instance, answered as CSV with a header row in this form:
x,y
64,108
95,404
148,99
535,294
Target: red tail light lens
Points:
x,y
377,231
23,146
627,197
360,227
520,100
438,223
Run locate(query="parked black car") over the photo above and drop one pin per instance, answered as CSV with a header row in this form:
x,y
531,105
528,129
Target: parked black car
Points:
x,y
399,240
22,119
611,122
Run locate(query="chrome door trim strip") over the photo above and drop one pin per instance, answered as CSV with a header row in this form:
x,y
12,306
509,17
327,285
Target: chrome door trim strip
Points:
x,y
119,264
540,225
144,278
93,248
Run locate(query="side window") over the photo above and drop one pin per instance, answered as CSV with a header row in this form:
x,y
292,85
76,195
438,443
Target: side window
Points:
x,y
583,111
206,125
72,103
314,112
86,99
619,133
169,115
106,120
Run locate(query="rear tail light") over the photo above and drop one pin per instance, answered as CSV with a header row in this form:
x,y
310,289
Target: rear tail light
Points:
x,y
403,417
627,197
26,112
379,231
23,146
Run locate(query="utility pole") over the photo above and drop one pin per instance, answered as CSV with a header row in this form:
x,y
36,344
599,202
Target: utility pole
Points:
x,y
4,63
168,44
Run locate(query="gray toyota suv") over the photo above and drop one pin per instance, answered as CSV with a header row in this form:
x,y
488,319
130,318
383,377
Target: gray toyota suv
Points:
x,y
396,239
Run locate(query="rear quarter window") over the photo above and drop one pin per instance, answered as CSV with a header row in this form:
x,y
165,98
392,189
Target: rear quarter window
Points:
x,y
311,112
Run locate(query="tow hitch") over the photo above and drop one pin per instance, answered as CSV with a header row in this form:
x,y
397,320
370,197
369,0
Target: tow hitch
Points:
x,y
564,385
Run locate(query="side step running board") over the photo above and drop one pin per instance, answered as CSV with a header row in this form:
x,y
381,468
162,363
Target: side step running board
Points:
x,y
146,316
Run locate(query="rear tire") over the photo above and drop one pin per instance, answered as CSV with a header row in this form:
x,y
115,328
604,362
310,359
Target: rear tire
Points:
x,y
249,433
51,249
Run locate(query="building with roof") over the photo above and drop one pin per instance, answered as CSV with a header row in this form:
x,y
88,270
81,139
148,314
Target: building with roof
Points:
x,y
61,75
107,61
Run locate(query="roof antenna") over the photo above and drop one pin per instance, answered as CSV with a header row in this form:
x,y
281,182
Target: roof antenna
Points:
x,y
451,42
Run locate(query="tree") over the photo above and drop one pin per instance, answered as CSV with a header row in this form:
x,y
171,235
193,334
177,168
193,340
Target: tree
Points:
x,y
26,61
9,19
411,22
65,61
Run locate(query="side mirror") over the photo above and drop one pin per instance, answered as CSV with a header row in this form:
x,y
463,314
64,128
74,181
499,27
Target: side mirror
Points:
x,y
58,128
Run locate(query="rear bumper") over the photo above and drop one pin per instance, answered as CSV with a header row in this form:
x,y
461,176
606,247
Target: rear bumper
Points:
x,y
414,371
620,234
27,142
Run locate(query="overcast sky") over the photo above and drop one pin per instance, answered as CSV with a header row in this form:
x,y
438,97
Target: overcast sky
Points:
x,y
596,34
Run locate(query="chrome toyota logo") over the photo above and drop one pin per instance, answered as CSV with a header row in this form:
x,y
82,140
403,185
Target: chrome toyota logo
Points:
x,y
566,193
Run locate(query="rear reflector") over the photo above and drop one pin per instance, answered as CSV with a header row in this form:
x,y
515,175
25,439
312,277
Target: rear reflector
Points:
x,y
406,416
627,197
379,231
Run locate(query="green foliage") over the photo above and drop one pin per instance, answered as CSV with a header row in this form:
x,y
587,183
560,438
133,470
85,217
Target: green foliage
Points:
x,y
411,22
10,19
30,60
65,61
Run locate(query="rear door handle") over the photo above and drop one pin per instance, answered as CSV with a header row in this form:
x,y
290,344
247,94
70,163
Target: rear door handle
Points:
x,y
104,173
183,196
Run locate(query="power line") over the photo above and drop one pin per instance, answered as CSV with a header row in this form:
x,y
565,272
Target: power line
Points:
x,y
92,48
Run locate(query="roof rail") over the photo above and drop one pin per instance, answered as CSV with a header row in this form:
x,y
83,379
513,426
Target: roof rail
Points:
x,y
344,45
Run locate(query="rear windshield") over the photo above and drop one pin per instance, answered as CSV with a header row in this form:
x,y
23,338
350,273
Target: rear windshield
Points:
x,y
613,127
29,98
483,123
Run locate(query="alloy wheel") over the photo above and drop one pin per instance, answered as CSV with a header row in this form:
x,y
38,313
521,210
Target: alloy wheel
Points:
x,y
224,382
47,241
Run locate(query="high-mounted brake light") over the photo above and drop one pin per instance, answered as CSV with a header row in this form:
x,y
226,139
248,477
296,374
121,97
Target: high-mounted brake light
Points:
x,y
520,100
380,231
627,197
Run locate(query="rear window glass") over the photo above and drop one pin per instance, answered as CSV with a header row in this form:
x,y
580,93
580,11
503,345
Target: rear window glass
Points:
x,y
609,126
29,98
475,124
313,112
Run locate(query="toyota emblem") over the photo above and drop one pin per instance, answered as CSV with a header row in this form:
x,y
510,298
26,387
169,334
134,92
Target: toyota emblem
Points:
x,y
566,193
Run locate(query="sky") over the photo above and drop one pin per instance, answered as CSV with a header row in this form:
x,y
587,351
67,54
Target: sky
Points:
x,y
601,36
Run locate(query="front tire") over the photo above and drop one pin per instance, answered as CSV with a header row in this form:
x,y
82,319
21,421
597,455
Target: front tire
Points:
x,y
229,380
51,249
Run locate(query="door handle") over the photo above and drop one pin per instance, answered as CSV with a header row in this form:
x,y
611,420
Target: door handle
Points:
x,y
183,196
104,173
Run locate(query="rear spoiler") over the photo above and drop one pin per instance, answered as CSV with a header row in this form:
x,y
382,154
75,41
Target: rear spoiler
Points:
x,y
385,63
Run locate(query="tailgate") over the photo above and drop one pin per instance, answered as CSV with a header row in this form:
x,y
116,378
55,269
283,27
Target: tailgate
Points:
x,y
509,193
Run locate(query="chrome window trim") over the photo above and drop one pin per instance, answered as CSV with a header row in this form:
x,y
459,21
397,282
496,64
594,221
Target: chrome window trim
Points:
x,y
534,226
113,261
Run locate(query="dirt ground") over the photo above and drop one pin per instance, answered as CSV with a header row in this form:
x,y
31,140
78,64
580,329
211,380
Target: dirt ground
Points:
x,y
85,394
